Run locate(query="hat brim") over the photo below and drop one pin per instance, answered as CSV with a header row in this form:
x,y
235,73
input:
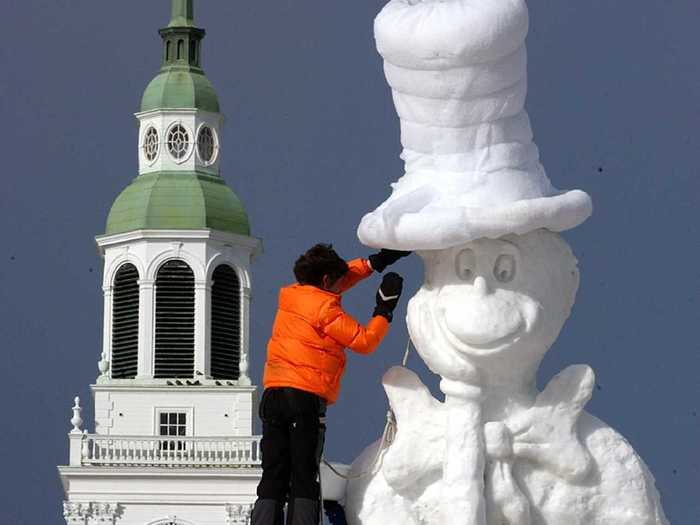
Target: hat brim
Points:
x,y
421,220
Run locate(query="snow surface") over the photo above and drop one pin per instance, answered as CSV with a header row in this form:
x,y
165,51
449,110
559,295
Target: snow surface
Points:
x,y
495,450
457,70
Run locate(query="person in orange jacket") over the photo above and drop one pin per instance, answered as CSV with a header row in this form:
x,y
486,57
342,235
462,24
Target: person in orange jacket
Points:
x,y
305,363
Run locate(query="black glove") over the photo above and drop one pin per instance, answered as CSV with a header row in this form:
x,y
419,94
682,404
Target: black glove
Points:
x,y
388,295
384,258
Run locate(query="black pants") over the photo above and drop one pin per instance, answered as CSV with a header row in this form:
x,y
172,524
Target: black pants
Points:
x,y
292,444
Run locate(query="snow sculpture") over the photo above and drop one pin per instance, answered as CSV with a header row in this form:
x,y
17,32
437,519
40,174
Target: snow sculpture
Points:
x,y
476,205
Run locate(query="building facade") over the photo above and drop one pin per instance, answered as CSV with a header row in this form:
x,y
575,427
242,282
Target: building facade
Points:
x,y
173,441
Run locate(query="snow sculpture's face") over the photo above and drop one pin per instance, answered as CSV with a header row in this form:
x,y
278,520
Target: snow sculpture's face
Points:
x,y
493,307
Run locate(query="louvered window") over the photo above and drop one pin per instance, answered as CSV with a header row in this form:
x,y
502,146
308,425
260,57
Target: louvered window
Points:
x,y
174,349
125,322
225,323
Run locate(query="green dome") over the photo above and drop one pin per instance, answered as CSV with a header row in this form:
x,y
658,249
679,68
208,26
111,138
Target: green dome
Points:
x,y
178,200
180,88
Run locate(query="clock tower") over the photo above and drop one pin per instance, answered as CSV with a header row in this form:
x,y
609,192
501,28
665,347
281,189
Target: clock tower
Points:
x,y
173,442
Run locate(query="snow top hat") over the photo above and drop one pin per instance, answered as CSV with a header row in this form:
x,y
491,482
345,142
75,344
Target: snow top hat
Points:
x,y
457,69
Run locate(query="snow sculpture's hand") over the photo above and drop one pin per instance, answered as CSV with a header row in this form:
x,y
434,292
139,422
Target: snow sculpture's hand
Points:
x,y
420,420
546,435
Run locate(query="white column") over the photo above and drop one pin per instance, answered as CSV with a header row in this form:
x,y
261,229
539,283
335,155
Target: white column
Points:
x,y
107,328
147,301
202,334
243,377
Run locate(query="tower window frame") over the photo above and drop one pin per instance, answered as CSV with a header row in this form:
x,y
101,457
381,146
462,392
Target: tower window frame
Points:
x,y
125,322
174,327
193,58
180,49
150,145
179,142
226,322
179,422
212,144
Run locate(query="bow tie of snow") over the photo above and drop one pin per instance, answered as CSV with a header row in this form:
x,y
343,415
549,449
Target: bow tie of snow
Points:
x,y
544,435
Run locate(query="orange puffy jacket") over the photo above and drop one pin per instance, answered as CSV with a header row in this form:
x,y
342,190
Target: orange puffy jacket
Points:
x,y
310,333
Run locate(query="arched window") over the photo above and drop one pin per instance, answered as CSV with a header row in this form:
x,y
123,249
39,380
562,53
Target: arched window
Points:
x,y
168,50
151,144
178,142
206,145
174,341
180,49
193,52
225,323
125,322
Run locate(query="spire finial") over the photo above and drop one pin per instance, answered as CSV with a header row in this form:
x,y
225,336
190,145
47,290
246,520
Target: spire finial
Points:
x,y
182,13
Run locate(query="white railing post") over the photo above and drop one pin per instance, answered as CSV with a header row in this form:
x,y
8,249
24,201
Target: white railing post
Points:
x,y
75,453
75,436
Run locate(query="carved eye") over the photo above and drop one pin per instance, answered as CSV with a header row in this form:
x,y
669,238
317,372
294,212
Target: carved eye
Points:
x,y
504,269
465,264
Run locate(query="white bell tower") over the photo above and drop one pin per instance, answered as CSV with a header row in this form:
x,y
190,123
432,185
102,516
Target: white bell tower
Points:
x,y
173,442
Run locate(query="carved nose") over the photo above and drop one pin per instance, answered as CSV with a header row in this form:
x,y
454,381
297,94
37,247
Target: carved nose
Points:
x,y
480,286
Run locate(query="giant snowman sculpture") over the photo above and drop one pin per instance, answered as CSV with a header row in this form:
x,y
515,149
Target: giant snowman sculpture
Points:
x,y
477,207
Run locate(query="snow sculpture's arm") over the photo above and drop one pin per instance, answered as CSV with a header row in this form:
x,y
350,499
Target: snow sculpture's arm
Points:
x,y
436,440
417,450
464,460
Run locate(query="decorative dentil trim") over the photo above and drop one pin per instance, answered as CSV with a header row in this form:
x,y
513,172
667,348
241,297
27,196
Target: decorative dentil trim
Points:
x,y
76,513
105,513
95,513
238,513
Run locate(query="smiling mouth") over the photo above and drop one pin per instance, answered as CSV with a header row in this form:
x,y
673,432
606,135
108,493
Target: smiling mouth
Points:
x,y
484,348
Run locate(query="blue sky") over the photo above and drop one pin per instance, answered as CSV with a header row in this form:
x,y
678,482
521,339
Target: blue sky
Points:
x,y
311,144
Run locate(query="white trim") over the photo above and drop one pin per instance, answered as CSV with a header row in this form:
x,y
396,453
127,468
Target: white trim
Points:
x,y
142,144
190,144
202,320
215,136
111,272
184,112
116,239
161,472
234,262
147,307
175,253
159,385
168,111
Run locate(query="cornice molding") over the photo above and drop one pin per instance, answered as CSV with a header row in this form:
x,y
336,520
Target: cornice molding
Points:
x,y
252,243
142,386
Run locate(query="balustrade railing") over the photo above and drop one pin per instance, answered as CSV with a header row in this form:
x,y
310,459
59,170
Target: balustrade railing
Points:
x,y
169,451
